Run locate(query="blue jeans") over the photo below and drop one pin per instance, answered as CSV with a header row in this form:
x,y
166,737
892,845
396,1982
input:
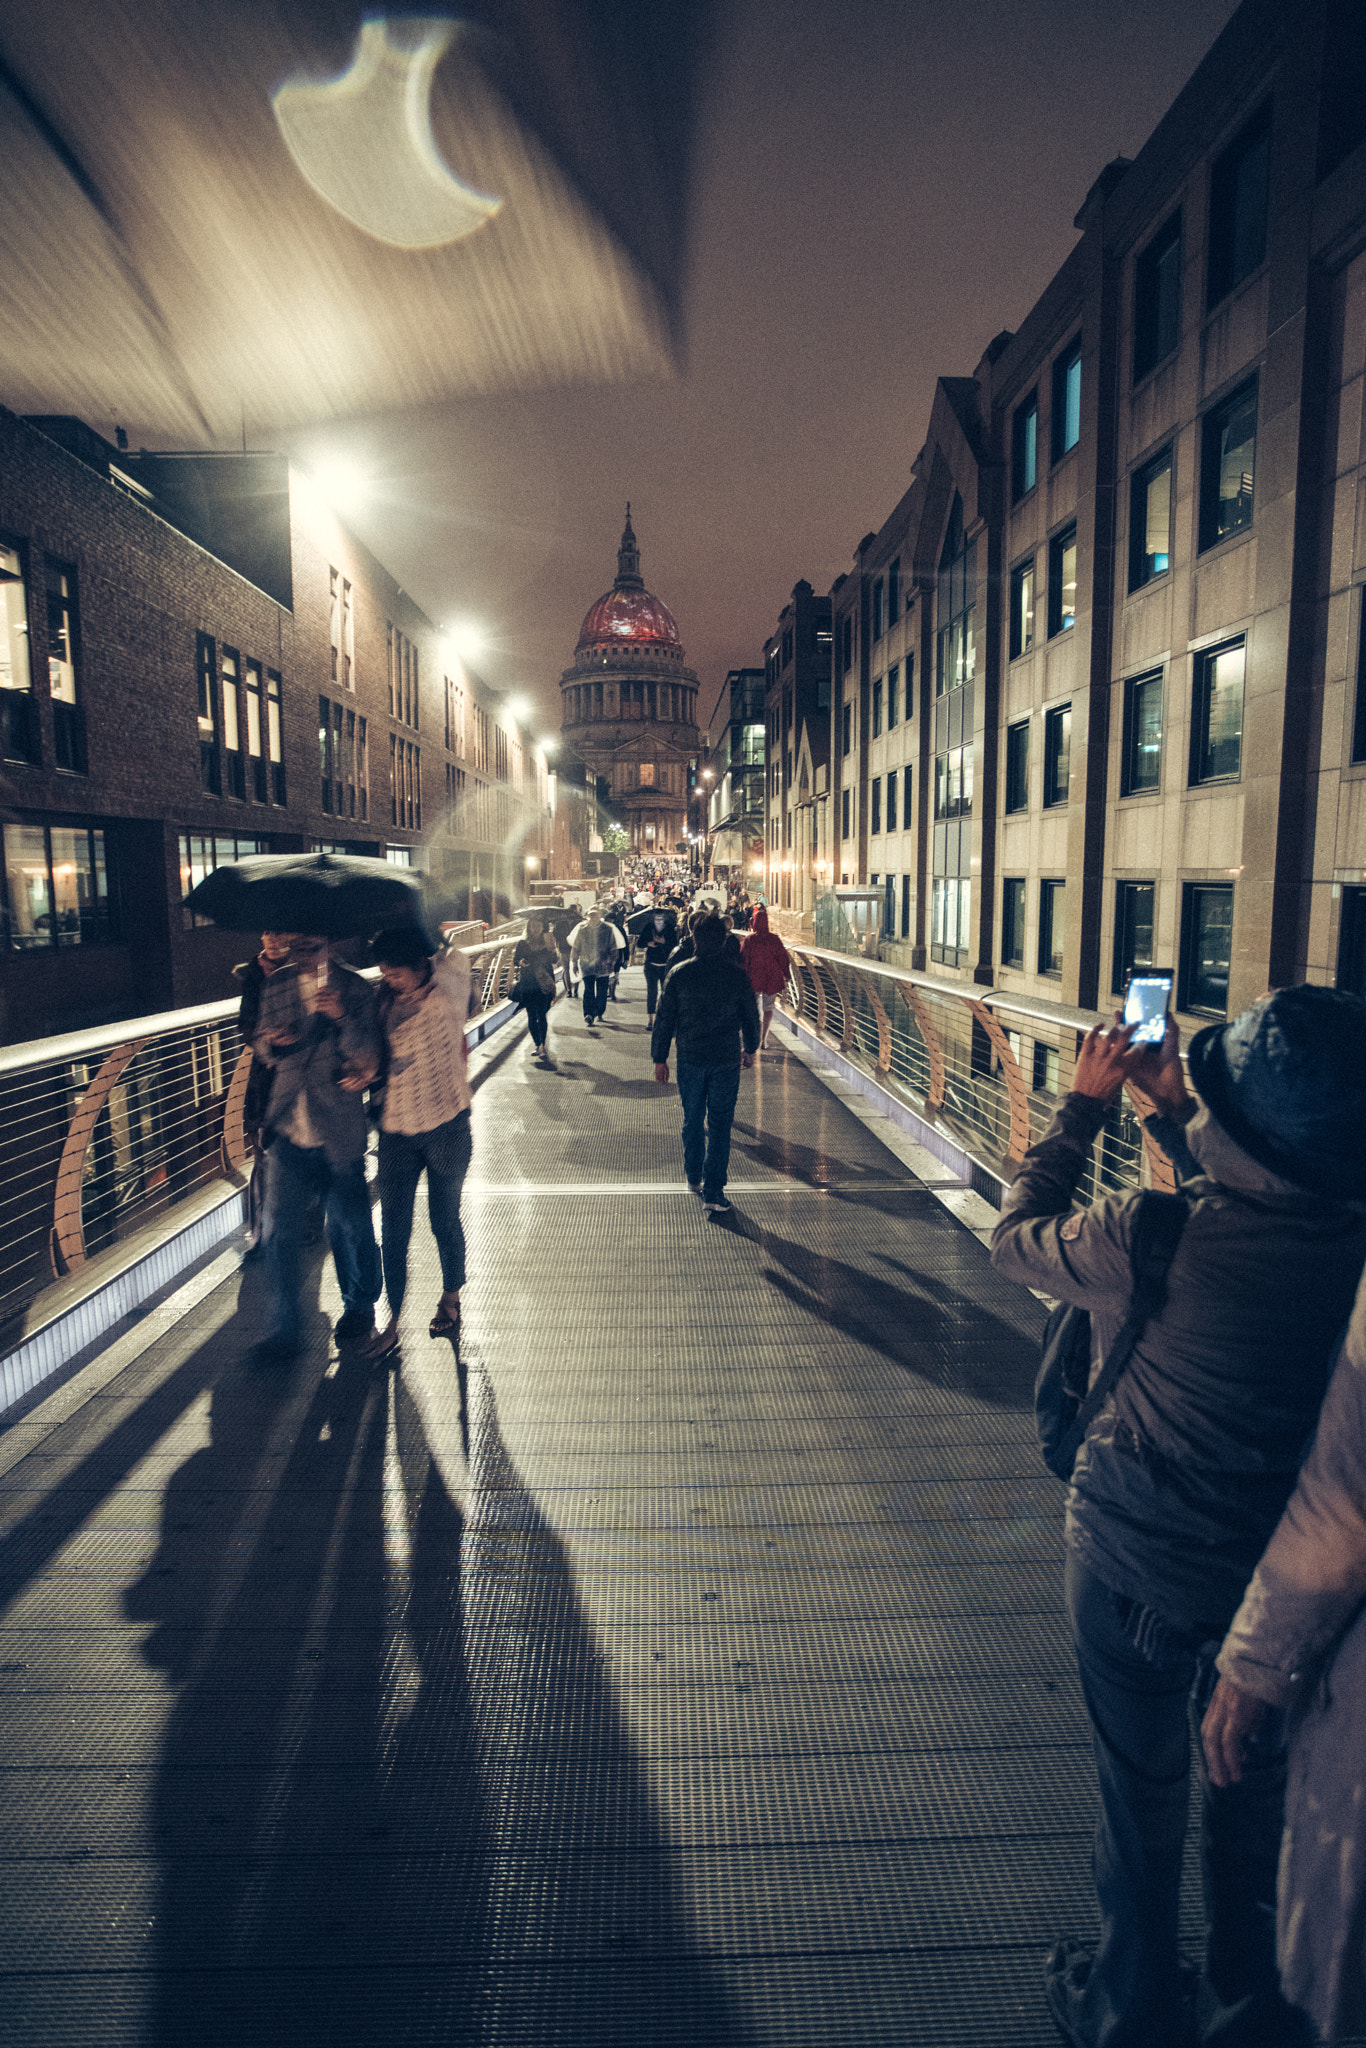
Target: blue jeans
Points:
x,y
295,1177
709,1096
1146,1688
445,1153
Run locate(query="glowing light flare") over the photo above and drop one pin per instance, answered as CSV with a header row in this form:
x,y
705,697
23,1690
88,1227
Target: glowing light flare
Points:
x,y
340,482
364,140
466,639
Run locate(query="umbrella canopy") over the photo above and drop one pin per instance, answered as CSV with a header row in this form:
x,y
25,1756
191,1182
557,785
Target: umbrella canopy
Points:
x,y
709,897
336,896
273,212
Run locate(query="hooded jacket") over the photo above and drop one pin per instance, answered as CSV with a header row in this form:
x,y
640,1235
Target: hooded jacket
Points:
x,y
764,957
1185,1470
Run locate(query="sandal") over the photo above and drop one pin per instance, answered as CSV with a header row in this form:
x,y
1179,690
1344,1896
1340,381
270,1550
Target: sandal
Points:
x,y
383,1344
444,1324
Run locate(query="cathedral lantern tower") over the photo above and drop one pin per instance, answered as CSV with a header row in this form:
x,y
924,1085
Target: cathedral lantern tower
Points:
x,y
629,706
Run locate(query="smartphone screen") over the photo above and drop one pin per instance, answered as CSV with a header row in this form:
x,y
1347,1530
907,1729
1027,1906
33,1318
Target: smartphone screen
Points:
x,y
1146,1005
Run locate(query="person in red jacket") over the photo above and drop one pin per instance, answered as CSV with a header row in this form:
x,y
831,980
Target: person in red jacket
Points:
x,y
764,959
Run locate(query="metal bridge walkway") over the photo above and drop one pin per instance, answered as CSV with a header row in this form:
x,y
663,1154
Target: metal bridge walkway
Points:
x,y
711,1686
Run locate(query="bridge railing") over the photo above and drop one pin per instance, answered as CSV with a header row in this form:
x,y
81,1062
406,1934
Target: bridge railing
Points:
x,y
982,1067
104,1133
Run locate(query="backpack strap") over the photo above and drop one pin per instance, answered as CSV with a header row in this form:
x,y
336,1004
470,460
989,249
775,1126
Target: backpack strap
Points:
x,y
1159,1220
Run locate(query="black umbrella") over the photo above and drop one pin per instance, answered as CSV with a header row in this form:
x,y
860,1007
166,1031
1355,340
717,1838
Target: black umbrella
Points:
x,y
336,895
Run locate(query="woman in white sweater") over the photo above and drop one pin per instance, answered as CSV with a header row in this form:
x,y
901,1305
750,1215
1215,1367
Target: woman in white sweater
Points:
x,y
425,1122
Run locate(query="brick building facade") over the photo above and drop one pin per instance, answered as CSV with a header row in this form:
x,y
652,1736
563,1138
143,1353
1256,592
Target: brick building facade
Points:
x,y
162,711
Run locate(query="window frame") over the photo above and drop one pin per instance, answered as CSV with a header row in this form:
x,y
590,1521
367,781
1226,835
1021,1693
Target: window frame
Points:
x,y
1147,307
1122,953
1050,887
1140,481
1128,784
1068,360
1057,746
1058,622
1014,890
1192,894
1029,567
1203,661
1012,785
1211,464
1024,447
1223,279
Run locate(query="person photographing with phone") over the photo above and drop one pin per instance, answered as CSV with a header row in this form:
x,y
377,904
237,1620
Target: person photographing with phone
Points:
x,y
1185,1467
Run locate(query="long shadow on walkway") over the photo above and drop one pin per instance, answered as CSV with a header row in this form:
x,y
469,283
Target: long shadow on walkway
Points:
x,y
397,1802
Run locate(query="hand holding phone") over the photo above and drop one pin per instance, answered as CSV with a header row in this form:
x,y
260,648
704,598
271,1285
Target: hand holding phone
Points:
x,y
1145,1006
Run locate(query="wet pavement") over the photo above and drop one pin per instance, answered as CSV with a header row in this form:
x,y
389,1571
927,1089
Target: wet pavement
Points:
x,y
698,1675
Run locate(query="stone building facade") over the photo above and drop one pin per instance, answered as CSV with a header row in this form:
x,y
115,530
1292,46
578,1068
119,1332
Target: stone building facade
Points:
x,y
1120,610
629,708
797,664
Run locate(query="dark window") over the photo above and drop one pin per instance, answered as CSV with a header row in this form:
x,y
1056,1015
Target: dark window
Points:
x,y
846,643
906,905
1045,1068
56,887
848,727
879,606
894,592
1022,609
1062,581
877,708
1228,459
906,798
1017,766
1012,921
1157,298
1352,942
1024,447
876,825
891,800
787,647
1057,754
1342,103
1359,719
1238,206
1217,714
1052,926
893,708
844,814
63,655
1206,948
1141,768
1150,520
206,673
325,752
1067,400
1134,903
18,710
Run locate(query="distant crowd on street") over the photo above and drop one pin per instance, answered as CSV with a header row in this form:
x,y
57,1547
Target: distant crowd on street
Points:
x,y
1202,1392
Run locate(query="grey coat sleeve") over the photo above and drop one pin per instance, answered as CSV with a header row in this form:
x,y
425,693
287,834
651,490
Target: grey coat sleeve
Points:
x,y
1312,1577
1079,1256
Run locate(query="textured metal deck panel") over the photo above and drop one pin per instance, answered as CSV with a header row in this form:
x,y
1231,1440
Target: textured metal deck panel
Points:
x,y
705,1681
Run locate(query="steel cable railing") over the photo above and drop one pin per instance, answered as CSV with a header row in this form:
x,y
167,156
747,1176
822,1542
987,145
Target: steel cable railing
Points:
x,y
105,1132
980,1066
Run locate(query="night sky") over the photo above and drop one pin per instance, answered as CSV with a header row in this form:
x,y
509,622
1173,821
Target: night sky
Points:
x,y
879,190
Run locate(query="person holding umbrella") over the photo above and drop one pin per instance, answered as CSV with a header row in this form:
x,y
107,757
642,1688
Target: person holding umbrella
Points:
x,y
318,1031
425,1122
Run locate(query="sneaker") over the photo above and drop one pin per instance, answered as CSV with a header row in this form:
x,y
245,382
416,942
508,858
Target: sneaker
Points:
x,y
694,1187
356,1324
717,1205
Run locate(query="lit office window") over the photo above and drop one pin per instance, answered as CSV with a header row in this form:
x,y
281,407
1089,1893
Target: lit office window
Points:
x,y
1057,755
1052,926
1142,761
68,717
1067,400
56,887
1150,520
1134,911
1228,461
19,734
1217,714
1024,447
1022,609
1062,581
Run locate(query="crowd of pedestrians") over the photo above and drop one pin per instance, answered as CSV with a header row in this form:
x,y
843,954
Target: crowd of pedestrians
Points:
x,y
1215,1574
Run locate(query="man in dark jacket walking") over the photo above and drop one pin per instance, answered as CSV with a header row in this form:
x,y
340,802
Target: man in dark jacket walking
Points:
x,y
708,1005
1184,1472
656,933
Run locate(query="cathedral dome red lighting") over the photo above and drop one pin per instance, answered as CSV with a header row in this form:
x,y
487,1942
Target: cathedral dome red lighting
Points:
x,y
628,618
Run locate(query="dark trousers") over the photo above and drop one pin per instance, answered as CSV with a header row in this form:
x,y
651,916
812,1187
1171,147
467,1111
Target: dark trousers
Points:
x,y
709,1097
654,982
1146,1689
595,988
445,1155
537,1008
295,1179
